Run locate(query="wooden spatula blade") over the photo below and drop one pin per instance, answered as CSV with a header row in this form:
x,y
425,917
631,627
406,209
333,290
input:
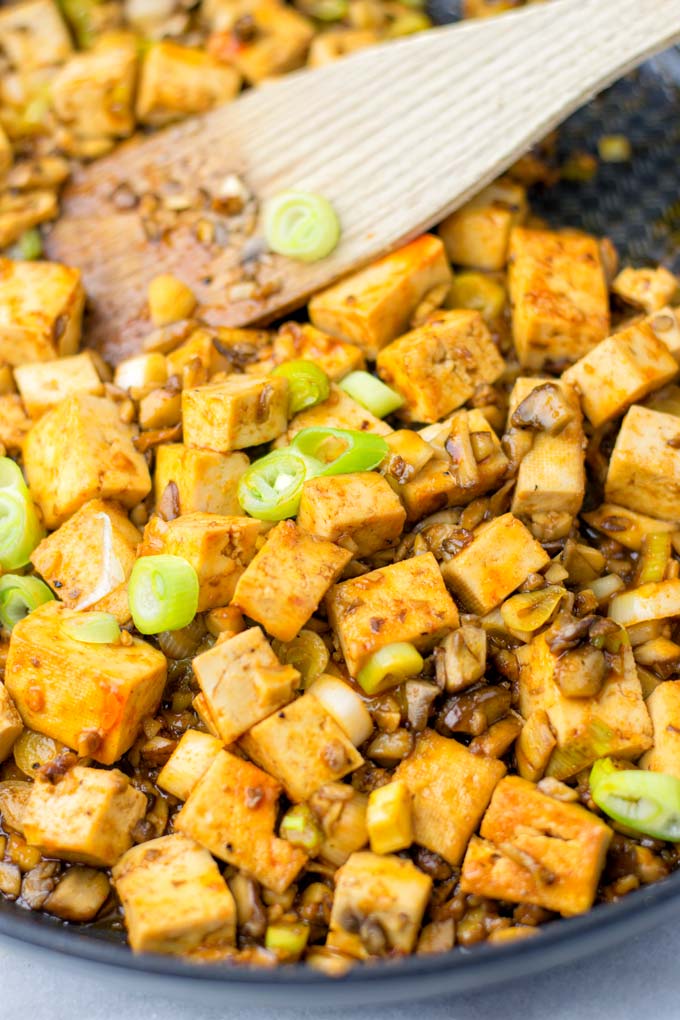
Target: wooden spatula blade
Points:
x,y
396,137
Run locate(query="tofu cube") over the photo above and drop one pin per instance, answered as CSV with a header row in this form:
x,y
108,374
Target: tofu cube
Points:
x,y
303,747
201,345
45,384
340,411
190,760
615,722
666,327
437,367
34,35
202,479
93,92
232,813
99,541
302,340
81,450
174,897
284,584
359,512
70,691
142,372
405,601
565,845
478,234
218,548
374,306
650,289
451,788
281,37
551,478
86,817
656,600
388,890
243,682
500,557
240,411
621,371
628,527
663,705
10,723
558,294
200,707
14,422
41,309
176,81
389,818
459,478
644,468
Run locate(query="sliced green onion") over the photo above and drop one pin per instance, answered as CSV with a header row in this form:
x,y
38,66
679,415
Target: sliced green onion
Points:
x,y
19,596
11,476
162,593
272,486
340,451
371,393
301,225
30,245
93,628
654,557
20,528
289,940
307,384
389,666
647,802
300,827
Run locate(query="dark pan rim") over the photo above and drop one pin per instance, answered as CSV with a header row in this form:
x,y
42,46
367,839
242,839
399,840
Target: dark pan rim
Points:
x,y
560,941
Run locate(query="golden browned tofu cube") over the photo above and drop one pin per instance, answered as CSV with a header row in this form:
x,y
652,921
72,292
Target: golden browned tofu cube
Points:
x,y
621,371
240,411
41,308
45,384
500,557
202,480
86,817
302,340
374,306
243,682
451,788
461,477
99,541
663,705
437,367
92,93
340,411
551,479
644,468
33,34
10,723
218,548
281,37
201,345
174,897
6,155
14,422
614,722
650,289
478,233
142,371
387,890
176,81
286,581
656,600
558,293
232,812
357,511
92,701
628,527
190,760
81,450
666,327
405,601
563,844
303,747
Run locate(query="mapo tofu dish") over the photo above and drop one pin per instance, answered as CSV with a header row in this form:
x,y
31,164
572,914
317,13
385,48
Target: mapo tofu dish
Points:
x,y
347,638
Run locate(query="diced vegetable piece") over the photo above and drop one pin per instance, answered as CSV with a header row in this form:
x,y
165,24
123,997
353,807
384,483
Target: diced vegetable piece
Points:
x,y
451,788
179,80
20,527
237,412
307,651
299,826
11,725
284,584
174,897
371,393
308,384
93,629
478,233
628,527
301,225
663,705
534,746
461,657
80,895
43,385
163,593
43,307
86,817
358,511
654,601
169,300
303,747
345,705
232,812
389,666
501,556
68,690
536,849
405,601
558,294
287,940
647,802
644,468
203,480
190,760
390,826
650,289
271,488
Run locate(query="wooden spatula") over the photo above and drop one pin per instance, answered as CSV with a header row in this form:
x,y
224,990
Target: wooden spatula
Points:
x,y
396,137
